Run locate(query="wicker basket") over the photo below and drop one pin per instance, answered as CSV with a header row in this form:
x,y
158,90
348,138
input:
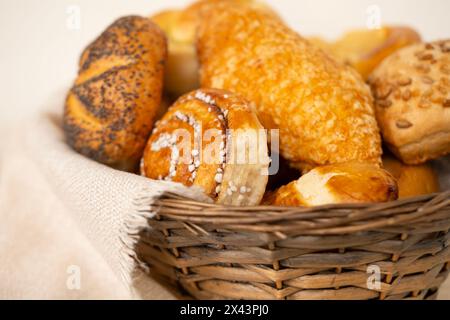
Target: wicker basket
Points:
x,y
217,252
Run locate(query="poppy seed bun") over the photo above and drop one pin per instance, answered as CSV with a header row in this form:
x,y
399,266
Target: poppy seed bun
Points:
x,y
110,110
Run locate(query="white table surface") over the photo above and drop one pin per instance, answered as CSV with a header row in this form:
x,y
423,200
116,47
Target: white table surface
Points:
x,y
39,51
40,48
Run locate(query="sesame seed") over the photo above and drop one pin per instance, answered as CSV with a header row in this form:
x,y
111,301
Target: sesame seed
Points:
x,y
427,80
384,103
406,95
424,103
424,68
383,92
404,81
445,68
403,124
427,56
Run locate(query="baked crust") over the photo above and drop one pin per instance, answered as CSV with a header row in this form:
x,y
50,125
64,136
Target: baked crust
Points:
x,y
207,152
323,109
412,180
412,101
340,183
180,26
109,112
365,49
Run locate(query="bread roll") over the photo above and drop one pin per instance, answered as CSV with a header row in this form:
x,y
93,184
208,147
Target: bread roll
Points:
x,y
323,109
412,92
201,142
182,72
334,184
109,112
412,180
366,49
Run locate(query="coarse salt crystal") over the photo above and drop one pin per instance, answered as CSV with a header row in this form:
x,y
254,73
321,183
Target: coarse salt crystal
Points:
x,y
218,178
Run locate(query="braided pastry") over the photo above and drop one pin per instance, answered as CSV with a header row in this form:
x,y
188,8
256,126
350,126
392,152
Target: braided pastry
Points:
x,y
110,110
323,109
211,139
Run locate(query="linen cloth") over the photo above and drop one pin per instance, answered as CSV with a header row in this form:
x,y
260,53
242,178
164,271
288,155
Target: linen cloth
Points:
x,y
64,216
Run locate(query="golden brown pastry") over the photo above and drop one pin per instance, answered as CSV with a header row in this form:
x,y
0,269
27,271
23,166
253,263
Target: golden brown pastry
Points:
x,y
412,180
366,49
180,26
211,139
110,110
334,184
323,109
412,93
181,73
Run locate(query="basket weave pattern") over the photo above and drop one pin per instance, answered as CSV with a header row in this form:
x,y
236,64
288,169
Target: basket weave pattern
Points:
x,y
218,252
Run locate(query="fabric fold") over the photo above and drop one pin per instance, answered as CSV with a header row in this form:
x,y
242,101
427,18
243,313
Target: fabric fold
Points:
x,y
110,206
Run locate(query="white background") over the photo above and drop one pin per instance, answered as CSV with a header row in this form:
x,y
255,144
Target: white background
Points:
x,y
39,53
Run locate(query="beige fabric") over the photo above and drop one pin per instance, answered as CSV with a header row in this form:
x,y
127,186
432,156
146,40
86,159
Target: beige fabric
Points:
x,y
59,210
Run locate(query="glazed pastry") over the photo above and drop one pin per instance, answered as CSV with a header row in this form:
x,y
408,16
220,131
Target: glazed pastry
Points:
x,y
412,93
412,180
366,49
180,26
110,110
334,184
323,109
211,139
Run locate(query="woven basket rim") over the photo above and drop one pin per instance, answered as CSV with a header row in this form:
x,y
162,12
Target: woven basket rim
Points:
x,y
322,220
